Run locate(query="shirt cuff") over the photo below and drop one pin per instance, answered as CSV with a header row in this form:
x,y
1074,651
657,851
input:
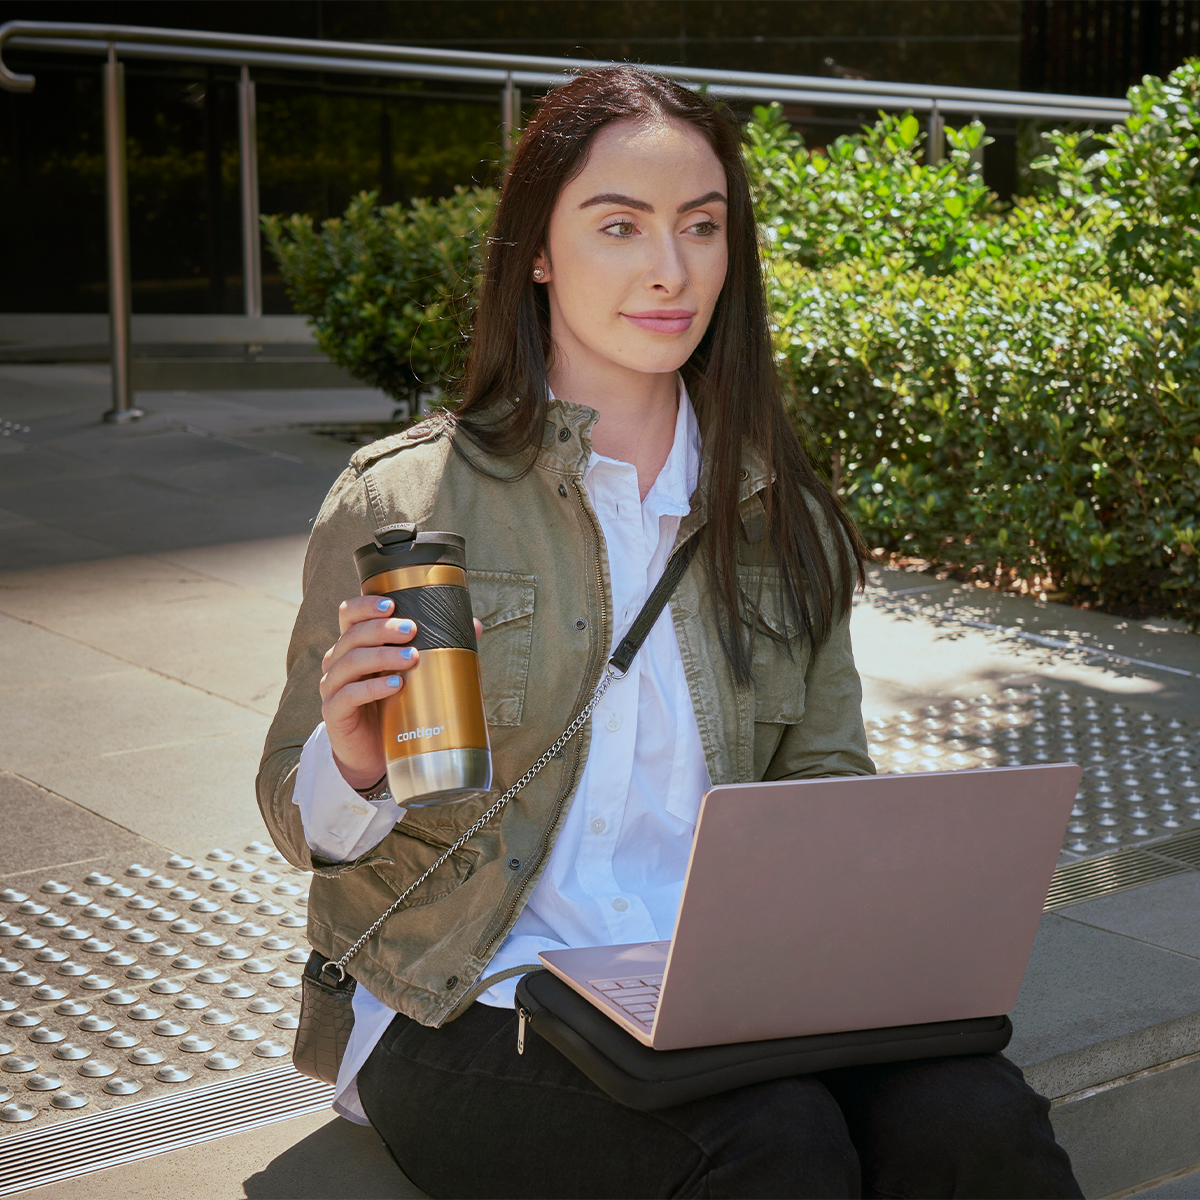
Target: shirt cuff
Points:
x,y
339,824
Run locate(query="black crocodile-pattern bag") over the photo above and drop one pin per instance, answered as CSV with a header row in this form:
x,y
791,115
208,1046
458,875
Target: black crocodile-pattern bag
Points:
x,y
326,1018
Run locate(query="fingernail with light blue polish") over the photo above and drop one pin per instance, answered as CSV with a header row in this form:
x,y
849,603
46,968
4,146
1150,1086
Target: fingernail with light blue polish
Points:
x,y
407,652
406,626
383,605
393,681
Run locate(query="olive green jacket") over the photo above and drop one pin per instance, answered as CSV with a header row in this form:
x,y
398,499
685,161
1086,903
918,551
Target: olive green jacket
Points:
x,y
539,580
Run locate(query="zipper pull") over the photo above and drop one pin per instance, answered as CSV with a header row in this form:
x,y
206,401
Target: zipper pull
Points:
x,y
522,1017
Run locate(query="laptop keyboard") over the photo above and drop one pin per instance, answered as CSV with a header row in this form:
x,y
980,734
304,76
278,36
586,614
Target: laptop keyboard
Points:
x,y
637,998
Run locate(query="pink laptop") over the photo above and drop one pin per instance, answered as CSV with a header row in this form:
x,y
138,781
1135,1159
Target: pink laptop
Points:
x,y
821,905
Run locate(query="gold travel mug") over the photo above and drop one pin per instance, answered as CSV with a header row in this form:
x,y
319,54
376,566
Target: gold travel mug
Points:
x,y
435,735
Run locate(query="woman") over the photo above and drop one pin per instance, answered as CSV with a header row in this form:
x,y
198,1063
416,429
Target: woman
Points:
x,y
620,400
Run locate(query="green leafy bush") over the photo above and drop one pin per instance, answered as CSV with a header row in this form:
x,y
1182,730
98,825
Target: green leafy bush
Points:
x,y
1015,393
390,290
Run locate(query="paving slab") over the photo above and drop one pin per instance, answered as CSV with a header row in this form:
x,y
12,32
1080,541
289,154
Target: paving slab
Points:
x,y
1097,1005
213,635
191,794
1183,1185
925,639
32,543
1165,914
43,831
271,566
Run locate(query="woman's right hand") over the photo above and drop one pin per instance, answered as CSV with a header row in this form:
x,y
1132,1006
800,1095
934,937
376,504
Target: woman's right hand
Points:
x,y
366,664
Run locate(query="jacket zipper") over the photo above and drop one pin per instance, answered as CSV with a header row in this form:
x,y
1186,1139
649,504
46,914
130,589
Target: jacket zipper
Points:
x,y
594,681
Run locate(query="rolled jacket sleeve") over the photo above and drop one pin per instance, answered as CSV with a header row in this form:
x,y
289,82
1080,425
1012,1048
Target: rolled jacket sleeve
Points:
x,y
346,520
339,824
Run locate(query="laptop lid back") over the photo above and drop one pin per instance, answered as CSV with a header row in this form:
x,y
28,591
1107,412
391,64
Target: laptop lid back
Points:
x,y
815,906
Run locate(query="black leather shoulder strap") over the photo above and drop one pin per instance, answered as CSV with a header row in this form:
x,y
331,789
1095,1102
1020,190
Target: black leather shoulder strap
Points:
x,y
678,563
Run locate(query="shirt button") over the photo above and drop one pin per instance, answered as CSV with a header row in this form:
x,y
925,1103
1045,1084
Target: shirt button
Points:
x,y
613,724
620,904
598,826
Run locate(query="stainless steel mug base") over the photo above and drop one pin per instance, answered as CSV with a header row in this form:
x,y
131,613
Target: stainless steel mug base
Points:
x,y
440,777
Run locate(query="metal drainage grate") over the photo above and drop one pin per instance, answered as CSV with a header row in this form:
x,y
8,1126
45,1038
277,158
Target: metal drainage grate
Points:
x,y
1085,880
1141,771
136,983
1185,849
37,1155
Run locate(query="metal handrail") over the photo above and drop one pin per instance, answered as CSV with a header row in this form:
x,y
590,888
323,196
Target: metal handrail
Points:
x,y
529,70
509,72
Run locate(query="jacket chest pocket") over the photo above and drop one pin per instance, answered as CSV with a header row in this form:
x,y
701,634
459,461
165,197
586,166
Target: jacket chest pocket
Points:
x,y
412,854
780,657
503,602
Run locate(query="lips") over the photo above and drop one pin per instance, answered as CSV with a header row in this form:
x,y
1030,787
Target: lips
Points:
x,y
662,320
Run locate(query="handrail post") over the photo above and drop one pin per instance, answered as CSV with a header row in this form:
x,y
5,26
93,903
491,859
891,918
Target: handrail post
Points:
x,y
116,190
510,113
248,146
935,145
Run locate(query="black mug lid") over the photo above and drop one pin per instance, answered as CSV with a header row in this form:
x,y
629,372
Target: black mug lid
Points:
x,y
402,545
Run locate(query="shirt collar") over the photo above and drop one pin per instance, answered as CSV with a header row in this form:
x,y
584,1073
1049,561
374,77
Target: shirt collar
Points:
x,y
671,492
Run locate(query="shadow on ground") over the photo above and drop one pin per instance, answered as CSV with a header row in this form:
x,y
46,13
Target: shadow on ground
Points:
x,y
338,1159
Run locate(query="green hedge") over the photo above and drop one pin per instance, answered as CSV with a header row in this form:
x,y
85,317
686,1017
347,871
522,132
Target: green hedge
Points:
x,y
390,290
1015,394
1010,392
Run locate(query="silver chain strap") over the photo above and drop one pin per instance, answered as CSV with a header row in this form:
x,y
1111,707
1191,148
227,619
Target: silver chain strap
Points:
x,y
611,673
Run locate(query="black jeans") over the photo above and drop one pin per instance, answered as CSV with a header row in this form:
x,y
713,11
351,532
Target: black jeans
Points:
x,y
465,1115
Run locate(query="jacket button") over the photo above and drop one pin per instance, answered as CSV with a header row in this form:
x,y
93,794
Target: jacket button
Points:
x,y
562,489
515,863
451,983
581,624
564,435
745,474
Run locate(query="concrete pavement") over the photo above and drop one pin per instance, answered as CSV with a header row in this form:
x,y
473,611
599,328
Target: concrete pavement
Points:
x,y
149,577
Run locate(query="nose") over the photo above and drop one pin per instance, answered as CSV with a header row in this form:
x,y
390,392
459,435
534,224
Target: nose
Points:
x,y
667,272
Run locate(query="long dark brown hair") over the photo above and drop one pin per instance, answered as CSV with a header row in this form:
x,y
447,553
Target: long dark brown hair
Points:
x,y
730,376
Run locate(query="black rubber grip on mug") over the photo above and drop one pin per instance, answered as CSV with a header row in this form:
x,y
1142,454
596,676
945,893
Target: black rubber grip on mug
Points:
x,y
442,613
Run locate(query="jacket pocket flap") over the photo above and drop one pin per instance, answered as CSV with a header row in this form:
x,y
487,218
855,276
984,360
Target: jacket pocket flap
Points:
x,y
504,602
771,611
500,596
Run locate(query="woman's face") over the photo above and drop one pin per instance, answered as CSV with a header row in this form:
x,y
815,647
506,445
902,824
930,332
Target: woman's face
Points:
x,y
637,250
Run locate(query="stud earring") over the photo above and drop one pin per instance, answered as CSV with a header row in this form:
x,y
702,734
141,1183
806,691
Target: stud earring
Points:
x,y
538,273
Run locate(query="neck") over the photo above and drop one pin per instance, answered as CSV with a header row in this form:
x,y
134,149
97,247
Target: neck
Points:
x,y
637,415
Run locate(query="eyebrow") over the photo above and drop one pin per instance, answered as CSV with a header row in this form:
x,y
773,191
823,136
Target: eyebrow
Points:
x,y
642,206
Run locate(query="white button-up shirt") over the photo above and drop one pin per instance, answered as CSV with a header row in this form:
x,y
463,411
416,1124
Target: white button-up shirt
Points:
x,y
616,871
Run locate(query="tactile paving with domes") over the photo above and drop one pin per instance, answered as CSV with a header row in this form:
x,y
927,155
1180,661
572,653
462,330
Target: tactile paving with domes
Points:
x,y
140,980
1141,771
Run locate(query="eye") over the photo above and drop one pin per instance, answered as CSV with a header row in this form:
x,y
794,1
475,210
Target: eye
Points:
x,y
620,229
706,228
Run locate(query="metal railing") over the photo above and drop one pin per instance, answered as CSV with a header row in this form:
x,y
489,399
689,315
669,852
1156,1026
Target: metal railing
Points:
x,y
509,73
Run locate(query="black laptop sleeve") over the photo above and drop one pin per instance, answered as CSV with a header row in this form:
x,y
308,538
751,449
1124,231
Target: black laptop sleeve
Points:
x,y
642,1078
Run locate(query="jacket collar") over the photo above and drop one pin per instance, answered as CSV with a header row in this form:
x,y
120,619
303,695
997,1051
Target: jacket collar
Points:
x,y
567,447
